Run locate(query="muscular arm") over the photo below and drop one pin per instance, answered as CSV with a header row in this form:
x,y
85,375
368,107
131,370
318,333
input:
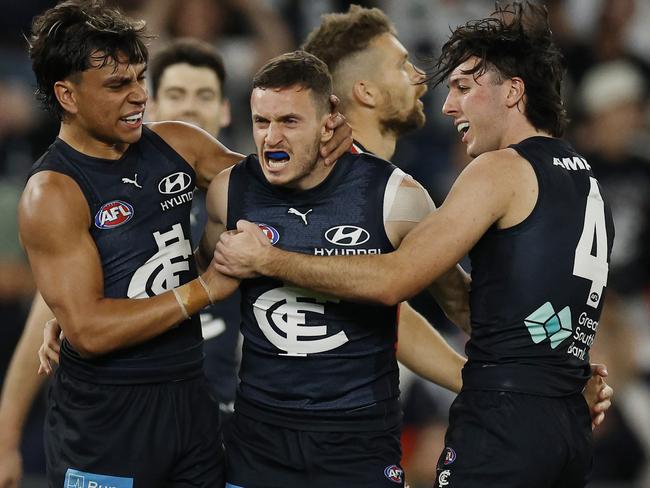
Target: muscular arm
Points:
x,y
480,197
68,272
216,204
424,351
21,384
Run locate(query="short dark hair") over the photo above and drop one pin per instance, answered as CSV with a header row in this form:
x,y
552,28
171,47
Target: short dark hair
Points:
x,y
515,41
76,35
297,68
344,34
191,51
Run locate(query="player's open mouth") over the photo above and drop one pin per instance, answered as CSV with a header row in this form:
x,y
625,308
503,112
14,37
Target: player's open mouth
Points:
x,y
133,119
276,160
462,129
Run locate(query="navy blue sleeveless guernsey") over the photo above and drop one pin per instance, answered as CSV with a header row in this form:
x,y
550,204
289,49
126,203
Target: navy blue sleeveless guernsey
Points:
x,y
140,208
311,361
537,287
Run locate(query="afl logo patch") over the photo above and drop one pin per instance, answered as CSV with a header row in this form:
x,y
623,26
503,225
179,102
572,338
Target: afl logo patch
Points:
x,y
174,183
394,473
272,234
113,214
450,456
347,235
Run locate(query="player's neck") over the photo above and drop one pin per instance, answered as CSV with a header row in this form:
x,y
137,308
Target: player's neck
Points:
x,y
369,133
520,130
81,141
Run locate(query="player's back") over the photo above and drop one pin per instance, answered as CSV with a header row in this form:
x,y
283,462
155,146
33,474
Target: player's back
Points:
x,y
537,287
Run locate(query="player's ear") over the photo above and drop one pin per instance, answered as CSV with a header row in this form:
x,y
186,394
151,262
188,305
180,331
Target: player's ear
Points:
x,y
325,132
365,92
65,94
516,91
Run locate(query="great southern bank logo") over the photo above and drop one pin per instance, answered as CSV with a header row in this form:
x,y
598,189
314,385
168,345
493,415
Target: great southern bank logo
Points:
x,y
545,323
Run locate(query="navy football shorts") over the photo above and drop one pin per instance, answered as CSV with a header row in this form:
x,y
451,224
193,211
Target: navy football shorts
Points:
x,y
514,440
132,436
262,455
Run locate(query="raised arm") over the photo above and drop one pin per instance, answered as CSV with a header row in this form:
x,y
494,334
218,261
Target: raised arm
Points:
x,y
478,199
68,272
20,387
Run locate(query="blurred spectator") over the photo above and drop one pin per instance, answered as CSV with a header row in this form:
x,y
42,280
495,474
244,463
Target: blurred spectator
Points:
x,y
597,31
247,32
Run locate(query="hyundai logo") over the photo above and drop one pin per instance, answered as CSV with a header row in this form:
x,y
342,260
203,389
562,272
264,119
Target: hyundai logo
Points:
x,y
347,235
174,183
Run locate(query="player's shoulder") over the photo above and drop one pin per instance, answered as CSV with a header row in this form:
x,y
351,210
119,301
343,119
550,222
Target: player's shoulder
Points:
x,y
368,157
497,165
49,184
50,196
221,180
182,137
369,163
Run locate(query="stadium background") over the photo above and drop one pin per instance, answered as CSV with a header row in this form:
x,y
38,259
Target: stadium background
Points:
x,y
607,47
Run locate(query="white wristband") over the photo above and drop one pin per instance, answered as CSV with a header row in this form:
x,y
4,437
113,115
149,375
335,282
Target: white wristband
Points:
x,y
207,290
181,304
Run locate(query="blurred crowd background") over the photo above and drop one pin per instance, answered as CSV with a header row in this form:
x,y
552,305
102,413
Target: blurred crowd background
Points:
x,y
607,48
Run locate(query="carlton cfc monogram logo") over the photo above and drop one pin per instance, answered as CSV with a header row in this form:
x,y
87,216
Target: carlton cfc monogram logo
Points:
x,y
283,309
162,271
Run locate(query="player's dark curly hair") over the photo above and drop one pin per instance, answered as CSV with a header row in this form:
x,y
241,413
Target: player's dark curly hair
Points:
x,y
77,35
515,41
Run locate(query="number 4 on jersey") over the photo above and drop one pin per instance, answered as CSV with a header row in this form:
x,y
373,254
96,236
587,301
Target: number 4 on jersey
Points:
x,y
586,265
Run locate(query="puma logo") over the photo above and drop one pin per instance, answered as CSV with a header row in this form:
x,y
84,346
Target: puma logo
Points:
x,y
303,216
133,181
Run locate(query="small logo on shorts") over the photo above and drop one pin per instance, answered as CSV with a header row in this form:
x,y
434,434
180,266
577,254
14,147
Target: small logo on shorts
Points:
x,y
450,456
394,473
272,234
443,478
